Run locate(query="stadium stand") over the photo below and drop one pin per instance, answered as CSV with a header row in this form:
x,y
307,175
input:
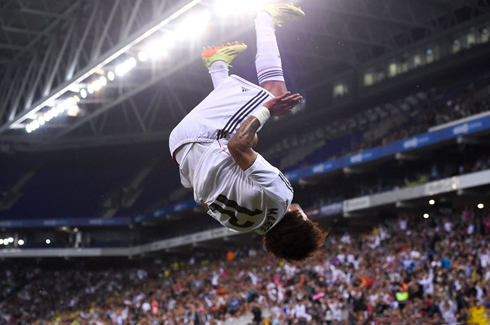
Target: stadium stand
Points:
x,y
383,125
407,270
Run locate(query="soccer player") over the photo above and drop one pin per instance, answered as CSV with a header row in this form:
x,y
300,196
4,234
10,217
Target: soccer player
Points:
x,y
213,146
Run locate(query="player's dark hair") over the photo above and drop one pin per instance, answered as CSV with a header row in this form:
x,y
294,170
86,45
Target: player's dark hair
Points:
x,y
294,239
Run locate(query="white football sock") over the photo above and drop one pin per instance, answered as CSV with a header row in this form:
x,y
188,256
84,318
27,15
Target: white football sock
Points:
x,y
218,72
268,60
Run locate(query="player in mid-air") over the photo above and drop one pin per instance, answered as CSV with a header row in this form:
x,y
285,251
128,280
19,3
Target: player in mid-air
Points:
x,y
213,146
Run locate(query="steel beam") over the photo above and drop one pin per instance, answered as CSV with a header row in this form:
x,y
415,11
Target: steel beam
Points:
x,y
101,60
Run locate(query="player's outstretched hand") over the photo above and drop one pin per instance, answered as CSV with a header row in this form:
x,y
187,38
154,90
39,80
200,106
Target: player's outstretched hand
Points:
x,y
283,104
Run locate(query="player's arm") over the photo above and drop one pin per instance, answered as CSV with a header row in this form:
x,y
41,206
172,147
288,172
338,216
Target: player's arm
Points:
x,y
241,144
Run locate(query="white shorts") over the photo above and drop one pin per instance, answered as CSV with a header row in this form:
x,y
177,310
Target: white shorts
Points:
x,y
220,114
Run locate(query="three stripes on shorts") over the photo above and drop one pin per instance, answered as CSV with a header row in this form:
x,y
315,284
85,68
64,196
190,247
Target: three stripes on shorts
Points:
x,y
242,113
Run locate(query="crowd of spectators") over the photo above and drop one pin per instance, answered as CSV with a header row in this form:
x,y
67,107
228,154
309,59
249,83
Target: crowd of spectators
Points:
x,y
402,271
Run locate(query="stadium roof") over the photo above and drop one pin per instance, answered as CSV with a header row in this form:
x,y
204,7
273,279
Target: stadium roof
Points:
x,y
52,50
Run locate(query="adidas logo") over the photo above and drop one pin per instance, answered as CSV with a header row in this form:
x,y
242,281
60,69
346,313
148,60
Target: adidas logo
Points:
x,y
245,89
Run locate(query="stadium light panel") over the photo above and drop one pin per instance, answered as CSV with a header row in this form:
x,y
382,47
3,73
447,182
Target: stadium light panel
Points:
x,y
48,241
480,206
103,81
6,241
426,215
11,239
117,53
1,241
432,202
90,89
83,93
20,242
41,120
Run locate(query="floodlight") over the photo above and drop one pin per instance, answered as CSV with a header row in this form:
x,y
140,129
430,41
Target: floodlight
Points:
x,y
90,89
480,206
48,241
110,75
158,49
20,242
76,98
48,116
11,239
132,62
97,85
71,101
432,202
142,56
195,25
226,8
103,81
121,70
73,110
426,215
83,93
6,241
1,241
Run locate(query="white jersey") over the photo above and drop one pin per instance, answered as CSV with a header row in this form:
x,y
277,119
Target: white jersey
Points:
x,y
243,201
251,200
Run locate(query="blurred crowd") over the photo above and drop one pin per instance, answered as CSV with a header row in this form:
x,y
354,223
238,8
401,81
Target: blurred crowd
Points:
x,y
402,271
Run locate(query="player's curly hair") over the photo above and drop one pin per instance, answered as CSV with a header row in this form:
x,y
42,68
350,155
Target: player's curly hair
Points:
x,y
294,239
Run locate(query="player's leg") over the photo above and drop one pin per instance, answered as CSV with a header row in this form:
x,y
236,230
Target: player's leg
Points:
x,y
218,59
268,60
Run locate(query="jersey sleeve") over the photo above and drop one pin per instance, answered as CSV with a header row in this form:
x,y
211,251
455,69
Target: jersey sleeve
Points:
x,y
183,180
270,179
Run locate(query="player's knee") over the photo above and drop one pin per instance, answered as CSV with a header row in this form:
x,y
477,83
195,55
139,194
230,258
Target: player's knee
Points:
x,y
277,88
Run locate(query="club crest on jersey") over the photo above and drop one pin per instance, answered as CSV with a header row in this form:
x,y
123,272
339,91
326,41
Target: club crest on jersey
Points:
x,y
245,89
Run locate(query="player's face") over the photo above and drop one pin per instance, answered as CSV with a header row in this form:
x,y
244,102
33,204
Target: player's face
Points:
x,y
296,207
